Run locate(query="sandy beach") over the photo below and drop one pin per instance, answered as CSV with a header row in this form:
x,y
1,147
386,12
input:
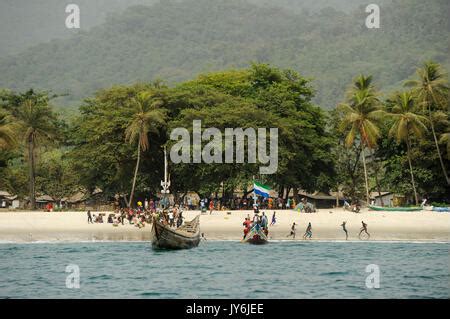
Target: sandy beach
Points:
x,y
383,226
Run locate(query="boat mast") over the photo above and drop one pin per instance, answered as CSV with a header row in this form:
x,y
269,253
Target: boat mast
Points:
x,y
166,183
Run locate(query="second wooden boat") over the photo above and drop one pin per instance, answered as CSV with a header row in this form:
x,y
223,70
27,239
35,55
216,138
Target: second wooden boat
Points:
x,y
395,209
184,237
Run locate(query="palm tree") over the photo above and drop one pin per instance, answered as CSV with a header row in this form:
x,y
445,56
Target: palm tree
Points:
x,y
37,122
406,124
360,118
146,117
432,92
445,138
7,139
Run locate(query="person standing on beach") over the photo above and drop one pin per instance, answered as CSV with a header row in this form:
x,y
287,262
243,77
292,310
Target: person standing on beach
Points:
x,y
89,217
274,219
211,206
345,230
247,225
292,231
363,229
171,220
308,232
264,220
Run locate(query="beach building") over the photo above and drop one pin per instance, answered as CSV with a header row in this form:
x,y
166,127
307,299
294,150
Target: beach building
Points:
x,y
45,202
83,200
8,201
322,200
385,199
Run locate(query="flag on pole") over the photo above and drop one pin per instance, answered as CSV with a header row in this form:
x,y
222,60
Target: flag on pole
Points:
x,y
261,190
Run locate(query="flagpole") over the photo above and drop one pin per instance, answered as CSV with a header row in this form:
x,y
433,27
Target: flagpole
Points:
x,y
254,193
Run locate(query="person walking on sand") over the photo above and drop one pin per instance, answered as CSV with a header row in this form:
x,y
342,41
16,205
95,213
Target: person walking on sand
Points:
x,y
292,231
274,219
89,216
308,232
363,229
345,230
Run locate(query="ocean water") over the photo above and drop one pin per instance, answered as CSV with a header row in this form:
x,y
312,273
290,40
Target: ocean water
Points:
x,y
226,270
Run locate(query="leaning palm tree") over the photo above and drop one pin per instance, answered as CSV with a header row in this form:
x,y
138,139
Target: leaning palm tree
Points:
x,y
445,138
407,124
360,118
146,117
7,138
37,122
432,93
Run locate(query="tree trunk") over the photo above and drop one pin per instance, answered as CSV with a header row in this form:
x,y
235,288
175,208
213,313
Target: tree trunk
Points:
x,y
408,149
296,196
377,182
32,182
130,204
437,147
337,195
365,176
288,190
126,200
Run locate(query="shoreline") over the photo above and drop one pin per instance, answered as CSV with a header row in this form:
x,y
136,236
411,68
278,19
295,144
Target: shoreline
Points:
x,y
106,241
72,227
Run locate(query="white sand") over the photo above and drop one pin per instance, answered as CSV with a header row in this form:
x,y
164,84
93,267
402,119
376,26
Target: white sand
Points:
x,y
73,226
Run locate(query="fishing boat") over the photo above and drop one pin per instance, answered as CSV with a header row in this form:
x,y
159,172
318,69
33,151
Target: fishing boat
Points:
x,y
256,236
395,209
163,236
441,209
437,209
184,237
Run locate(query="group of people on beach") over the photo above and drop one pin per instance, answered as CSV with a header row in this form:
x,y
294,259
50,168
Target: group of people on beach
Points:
x,y
131,216
171,217
308,232
139,217
258,219
237,203
354,207
362,231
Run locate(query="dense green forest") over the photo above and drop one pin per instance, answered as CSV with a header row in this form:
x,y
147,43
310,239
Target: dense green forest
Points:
x,y
358,110
175,41
367,143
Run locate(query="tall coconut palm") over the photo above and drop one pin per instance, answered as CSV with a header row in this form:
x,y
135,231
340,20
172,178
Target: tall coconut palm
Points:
x,y
360,118
407,124
7,139
432,91
36,121
445,138
146,117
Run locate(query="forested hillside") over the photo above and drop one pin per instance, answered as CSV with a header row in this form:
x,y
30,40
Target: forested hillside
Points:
x,y
174,41
24,23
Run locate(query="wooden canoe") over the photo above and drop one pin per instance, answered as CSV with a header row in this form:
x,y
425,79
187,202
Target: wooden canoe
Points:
x,y
395,209
256,236
184,237
441,209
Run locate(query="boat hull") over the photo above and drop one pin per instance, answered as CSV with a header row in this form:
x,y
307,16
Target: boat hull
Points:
x,y
163,237
395,209
256,236
257,241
